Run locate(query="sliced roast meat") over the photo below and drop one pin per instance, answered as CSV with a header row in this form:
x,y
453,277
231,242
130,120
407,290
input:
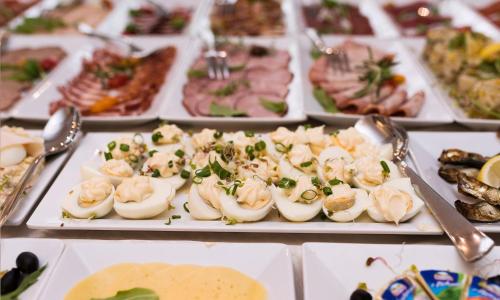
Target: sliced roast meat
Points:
x,y
412,106
252,106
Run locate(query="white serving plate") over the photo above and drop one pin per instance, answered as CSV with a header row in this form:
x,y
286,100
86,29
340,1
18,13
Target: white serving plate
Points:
x,y
173,109
270,264
47,175
334,270
432,112
48,214
460,14
430,145
120,15
47,250
36,105
69,45
417,46
381,26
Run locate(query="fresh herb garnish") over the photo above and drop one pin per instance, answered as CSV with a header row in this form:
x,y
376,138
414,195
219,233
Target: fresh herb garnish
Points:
x,y
385,168
111,145
37,24
327,190
205,172
219,170
249,151
28,71
249,133
324,100
185,174
152,152
375,74
306,164
315,53
309,195
277,107
457,42
185,206
108,155
315,181
175,217
156,136
194,73
156,173
224,111
124,147
218,134
231,221
282,148
226,90
179,153
177,23
26,282
335,181
260,146
286,183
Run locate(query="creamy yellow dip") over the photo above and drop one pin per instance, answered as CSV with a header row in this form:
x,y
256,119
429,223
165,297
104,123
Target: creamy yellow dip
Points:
x,y
170,282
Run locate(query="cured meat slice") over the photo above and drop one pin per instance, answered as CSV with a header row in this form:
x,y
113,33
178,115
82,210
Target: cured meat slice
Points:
x,y
412,106
251,105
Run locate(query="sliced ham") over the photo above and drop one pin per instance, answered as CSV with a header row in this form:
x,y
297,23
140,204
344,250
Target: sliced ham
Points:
x,y
412,106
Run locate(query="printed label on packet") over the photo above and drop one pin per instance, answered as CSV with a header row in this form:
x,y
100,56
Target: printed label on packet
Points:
x,y
444,284
404,289
483,289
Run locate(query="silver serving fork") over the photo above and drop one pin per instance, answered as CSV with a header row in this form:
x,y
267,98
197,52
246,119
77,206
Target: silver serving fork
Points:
x,y
228,6
338,60
216,60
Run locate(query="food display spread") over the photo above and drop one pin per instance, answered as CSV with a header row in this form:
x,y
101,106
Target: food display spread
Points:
x,y
371,86
113,84
492,12
9,9
258,84
332,17
21,68
151,20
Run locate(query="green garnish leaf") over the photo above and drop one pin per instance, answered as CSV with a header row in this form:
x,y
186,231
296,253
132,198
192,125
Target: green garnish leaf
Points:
x,y
27,281
175,217
218,134
458,42
273,106
324,100
152,152
178,23
185,205
185,174
219,170
111,145
194,73
205,172
315,53
37,24
249,133
29,71
335,181
315,181
224,111
226,90
124,147
282,148
179,153
108,155
231,221
306,164
260,146
286,183
385,168
156,173
133,294
327,190
156,136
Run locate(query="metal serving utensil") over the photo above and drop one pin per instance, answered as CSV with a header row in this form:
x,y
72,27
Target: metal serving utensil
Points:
x,y
4,40
59,134
471,243
87,30
338,60
216,60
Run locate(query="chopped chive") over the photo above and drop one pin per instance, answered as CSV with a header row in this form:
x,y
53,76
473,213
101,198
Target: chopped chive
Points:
x,y
260,146
308,195
124,147
219,170
385,168
156,173
180,153
152,152
174,217
327,190
335,181
197,180
185,205
306,164
205,172
156,136
111,145
185,174
218,134
282,148
315,181
108,155
170,164
287,183
249,133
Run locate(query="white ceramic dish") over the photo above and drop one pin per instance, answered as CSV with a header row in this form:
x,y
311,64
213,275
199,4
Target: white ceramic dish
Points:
x,y
47,250
432,112
430,144
461,15
36,105
417,47
120,15
381,26
333,271
48,214
270,264
69,45
47,175
173,109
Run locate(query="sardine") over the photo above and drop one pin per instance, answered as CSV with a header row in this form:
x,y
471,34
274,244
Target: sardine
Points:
x,y
480,212
460,157
450,174
472,187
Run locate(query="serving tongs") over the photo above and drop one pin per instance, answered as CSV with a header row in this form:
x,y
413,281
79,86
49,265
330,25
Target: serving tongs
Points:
x,y
471,243
60,132
337,59
87,30
216,60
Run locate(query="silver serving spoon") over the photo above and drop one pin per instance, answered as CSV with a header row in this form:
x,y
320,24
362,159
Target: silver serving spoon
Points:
x,y
471,243
59,134
87,30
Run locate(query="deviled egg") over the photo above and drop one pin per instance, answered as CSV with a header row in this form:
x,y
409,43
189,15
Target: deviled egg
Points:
x,y
205,139
370,172
204,198
312,136
334,164
92,198
114,169
248,200
167,166
297,200
278,142
167,138
344,204
263,167
359,145
130,149
142,197
394,201
298,161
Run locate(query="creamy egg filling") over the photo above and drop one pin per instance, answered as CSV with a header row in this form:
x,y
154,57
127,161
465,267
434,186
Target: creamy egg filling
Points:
x,y
167,134
314,137
369,171
94,191
301,157
209,191
283,136
337,168
125,148
117,167
254,194
349,138
164,164
342,198
392,203
204,138
264,168
303,192
241,141
135,189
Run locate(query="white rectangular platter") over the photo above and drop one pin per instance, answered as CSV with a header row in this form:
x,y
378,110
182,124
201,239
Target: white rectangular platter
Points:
x,y
48,214
69,45
417,47
433,112
270,264
333,271
36,105
47,175
430,144
48,252
173,109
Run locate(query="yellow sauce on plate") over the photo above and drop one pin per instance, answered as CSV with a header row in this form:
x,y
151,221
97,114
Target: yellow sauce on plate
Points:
x,y
170,282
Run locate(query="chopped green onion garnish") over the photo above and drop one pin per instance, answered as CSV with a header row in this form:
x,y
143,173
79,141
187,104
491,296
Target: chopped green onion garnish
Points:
x,y
218,134
282,148
385,168
306,164
327,190
108,155
308,195
180,153
133,158
287,183
205,172
124,147
176,217
315,181
335,181
219,170
156,173
260,146
249,133
185,174
156,136
185,205
197,180
152,152
111,145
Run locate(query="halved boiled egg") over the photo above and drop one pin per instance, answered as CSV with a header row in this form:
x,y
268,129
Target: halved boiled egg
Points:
x,y
333,164
345,204
299,160
298,202
370,172
12,155
114,169
92,198
394,201
204,199
142,197
167,166
170,138
252,200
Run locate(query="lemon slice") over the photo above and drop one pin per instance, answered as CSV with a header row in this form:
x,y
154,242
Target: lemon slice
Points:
x,y
490,50
490,172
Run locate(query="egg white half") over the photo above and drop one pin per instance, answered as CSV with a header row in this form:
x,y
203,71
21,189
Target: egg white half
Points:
x,y
288,170
328,154
199,208
360,204
295,211
230,208
393,174
70,205
12,155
